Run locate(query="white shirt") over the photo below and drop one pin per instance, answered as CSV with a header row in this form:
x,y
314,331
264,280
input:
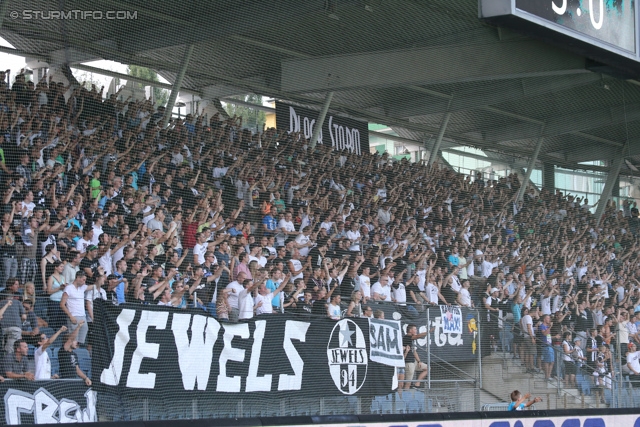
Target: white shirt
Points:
x,y
633,361
82,245
43,364
545,305
455,283
301,239
200,249
30,207
288,226
106,262
335,312
353,236
97,231
383,291
245,304
487,267
219,172
399,294
297,265
365,286
432,293
262,261
75,300
233,296
93,295
266,306
525,322
465,297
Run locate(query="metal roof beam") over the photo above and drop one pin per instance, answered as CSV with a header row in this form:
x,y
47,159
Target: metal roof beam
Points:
x,y
574,122
228,21
490,93
443,101
433,65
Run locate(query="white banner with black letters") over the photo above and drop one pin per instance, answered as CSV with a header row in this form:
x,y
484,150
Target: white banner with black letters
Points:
x,y
385,337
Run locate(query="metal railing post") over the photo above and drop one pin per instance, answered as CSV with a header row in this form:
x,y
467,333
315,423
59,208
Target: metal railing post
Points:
x,y
479,339
428,349
619,357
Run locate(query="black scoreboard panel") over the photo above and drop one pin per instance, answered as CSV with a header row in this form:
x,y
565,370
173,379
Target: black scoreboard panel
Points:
x,y
602,30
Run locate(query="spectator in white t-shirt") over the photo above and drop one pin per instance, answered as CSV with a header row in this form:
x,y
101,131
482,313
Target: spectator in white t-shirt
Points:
x,y
464,296
235,288
354,237
246,305
365,284
42,360
381,290
285,229
262,301
633,363
303,241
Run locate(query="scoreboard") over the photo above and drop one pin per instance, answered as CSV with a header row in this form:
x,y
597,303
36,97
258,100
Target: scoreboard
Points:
x,y
602,30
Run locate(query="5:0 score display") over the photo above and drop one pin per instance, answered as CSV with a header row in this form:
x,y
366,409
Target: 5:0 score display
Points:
x,y
597,23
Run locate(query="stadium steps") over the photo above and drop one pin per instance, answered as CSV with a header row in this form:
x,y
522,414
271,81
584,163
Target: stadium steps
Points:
x,y
502,374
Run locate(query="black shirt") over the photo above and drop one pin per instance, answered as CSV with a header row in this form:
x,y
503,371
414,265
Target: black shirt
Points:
x,y
93,265
68,362
109,230
408,342
416,291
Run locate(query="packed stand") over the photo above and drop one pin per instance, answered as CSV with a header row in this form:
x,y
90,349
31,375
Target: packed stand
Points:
x,y
100,202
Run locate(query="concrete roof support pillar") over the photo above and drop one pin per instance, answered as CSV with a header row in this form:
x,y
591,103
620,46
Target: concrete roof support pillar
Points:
x,y
176,86
320,121
436,145
612,179
530,167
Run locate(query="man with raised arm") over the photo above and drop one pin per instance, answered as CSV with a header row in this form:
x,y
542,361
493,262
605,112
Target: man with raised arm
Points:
x,y
43,363
69,365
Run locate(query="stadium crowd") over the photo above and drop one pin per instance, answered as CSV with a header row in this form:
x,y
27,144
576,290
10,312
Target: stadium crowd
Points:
x,y
100,202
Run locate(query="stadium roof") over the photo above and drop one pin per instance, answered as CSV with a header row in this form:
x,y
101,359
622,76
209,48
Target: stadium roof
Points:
x,y
404,63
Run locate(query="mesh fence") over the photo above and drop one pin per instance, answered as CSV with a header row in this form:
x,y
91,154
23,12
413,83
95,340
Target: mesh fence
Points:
x,y
220,223
234,259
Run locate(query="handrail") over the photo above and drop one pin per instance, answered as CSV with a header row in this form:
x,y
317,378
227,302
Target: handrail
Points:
x,y
616,381
451,365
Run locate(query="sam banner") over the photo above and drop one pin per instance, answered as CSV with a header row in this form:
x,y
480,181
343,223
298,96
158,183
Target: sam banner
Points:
x,y
341,132
149,349
47,402
452,331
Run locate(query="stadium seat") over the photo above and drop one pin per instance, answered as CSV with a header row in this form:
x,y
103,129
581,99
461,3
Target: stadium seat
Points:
x,y
414,406
40,308
84,360
386,407
31,351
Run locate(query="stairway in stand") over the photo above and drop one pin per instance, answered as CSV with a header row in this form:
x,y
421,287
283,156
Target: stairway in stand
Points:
x,y
501,374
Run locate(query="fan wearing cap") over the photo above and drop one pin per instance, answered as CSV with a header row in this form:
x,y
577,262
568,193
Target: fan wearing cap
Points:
x,y
42,361
633,363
